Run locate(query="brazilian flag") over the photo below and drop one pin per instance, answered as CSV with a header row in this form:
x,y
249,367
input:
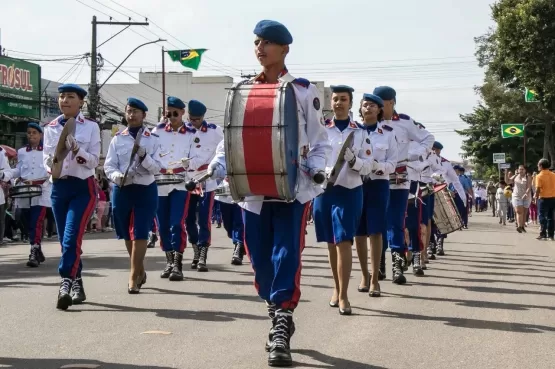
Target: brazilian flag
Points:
x,y
512,130
188,58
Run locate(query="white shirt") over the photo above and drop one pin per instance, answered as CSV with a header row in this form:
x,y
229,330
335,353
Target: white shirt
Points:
x,y
87,134
379,145
4,165
406,130
119,154
204,142
451,178
312,134
173,146
30,167
434,165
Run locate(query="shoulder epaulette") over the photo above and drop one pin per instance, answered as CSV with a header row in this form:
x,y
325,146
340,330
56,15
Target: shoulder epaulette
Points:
x,y
387,128
360,125
154,134
404,116
117,133
211,125
443,160
161,125
329,123
302,82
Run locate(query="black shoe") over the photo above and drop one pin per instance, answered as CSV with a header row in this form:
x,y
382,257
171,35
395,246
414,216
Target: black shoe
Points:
x,y
417,268
238,253
41,257
397,268
280,351
203,254
196,255
78,292
33,257
177,270
152,238
169,265
64,299
440,251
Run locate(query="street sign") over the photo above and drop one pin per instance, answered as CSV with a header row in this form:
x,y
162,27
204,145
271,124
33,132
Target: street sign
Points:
x,y
504,165
512,130
499,158
530,96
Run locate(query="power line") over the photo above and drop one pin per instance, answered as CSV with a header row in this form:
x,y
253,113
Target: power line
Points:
x,y
47,55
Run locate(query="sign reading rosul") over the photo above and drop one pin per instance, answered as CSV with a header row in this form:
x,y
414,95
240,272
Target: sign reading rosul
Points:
x,y
19,88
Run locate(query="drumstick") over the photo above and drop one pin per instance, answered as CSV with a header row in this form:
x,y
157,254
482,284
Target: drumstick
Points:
x,y
179,161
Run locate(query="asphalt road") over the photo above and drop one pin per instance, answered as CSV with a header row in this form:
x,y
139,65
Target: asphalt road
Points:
x,y
489,303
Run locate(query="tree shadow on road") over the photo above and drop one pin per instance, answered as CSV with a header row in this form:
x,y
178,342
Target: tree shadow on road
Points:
x,y
492,290
435,266
490,265
467,323
209,316
488,281
517,257
517,264
246,283
20,363
330,361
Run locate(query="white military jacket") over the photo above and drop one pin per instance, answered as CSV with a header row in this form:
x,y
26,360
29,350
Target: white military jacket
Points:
x,y
380,146
204,142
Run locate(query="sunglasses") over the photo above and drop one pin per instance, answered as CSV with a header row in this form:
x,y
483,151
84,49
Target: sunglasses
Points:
x,y
174,114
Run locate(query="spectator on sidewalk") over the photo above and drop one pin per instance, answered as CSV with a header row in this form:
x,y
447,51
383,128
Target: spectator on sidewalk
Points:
x,y
502,203
545,197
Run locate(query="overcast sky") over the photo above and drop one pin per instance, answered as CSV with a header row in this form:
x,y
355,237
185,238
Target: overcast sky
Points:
x,y
424,49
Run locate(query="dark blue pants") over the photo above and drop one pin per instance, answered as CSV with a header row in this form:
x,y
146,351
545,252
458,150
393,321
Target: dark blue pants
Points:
x,y
35,216
171,214
134,208
73,203
396,212
546,208
217,213
461,207
274,240
200,235
232,217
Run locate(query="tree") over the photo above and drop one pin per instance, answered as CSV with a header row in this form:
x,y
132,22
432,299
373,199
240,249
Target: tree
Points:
x,y
499,105
520,52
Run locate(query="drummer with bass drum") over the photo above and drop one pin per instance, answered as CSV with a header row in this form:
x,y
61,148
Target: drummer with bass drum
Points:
x,y
276,202
174,139
71,152
33,190
131,163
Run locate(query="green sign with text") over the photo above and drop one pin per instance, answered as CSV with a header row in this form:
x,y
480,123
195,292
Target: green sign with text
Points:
x,y
19,88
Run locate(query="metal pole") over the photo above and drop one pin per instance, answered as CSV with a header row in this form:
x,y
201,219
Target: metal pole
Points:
x,y
93,86
163,82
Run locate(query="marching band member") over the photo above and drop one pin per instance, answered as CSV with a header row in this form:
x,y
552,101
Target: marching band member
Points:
x,y
462,205
30,171
275,230
175,140
380,145
405,130
452,179
338,210
135,197
232,217
74,193
206,137
434,166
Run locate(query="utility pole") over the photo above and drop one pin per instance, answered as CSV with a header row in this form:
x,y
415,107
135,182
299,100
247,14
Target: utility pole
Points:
x,y
93,87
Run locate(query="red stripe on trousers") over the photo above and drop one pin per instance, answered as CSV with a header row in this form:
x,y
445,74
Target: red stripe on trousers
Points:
x,y
183,243
257,139
39,226
83,225
292,304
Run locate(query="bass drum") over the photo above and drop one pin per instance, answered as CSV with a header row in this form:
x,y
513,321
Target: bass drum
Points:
x,y
446,215
261,136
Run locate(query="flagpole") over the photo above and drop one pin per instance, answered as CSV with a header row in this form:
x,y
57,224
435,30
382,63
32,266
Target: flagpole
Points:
x,y
163,83
524,143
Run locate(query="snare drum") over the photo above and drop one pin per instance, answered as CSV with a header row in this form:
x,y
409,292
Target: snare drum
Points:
x,y
400,176
223,189
25,191
446,215
169,178
261,136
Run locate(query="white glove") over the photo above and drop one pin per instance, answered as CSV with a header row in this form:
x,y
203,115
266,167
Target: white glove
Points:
x,y
216,171
71,143
141,152
349,155
49,161
185,163
378,168
118,179
415,157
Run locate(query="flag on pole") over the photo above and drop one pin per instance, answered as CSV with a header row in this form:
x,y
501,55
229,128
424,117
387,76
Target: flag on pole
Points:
x,y
512,130
188,58
531,96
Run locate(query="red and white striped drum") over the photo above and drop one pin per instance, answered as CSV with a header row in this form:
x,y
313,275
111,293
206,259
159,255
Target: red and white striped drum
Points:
x,y
261,136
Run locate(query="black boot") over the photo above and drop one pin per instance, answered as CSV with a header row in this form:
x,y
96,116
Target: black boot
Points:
x,y
152,238
272,314
34,257
42,259
382,274
397,268
440,251
64,299
177,270
238,253
280,350
203,254
417,264
169,265
78,292
196,255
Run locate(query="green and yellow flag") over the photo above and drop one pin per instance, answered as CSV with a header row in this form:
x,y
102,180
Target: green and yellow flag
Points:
x,y
531,96
512,130
188,58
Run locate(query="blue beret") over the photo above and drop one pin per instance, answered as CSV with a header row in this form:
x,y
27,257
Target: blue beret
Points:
x,y
385,92
174,102
70,87
196,108
273,31
342,88
371,97
437,145
458,167
136,103
35,125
